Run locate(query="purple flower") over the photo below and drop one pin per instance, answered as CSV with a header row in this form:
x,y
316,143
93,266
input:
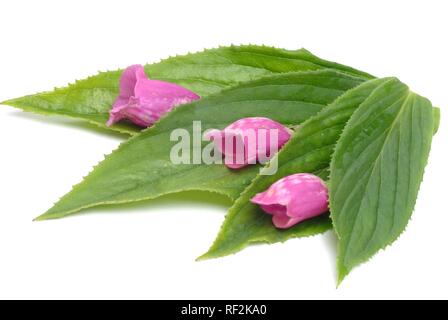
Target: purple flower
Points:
x,y
294,199
249,140
145,101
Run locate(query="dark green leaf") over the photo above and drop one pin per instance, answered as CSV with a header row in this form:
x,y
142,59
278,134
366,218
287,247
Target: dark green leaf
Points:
x,y
376,171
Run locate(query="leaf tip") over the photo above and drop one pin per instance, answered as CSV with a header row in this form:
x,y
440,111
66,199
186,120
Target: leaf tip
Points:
x,y
206,256
217,251
201,258
342,274
341,277
46,216
9,102
42,217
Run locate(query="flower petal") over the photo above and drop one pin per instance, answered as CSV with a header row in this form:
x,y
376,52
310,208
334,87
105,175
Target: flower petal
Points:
x,y
129,80
145,101
171,93
284,222
254,134
294,199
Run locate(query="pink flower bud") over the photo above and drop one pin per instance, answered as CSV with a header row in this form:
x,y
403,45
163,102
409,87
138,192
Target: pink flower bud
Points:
x,y
145,101
294,199
249,140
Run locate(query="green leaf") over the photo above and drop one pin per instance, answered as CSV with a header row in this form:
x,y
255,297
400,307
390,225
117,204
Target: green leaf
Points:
x,y
141,168
309,150
436,115
205,73
376,171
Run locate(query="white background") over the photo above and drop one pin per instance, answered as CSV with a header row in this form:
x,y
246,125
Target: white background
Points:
x,y
148,251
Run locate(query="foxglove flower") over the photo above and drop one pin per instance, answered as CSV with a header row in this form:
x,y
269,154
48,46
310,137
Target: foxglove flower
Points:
x,y
294,199
249,140
144,101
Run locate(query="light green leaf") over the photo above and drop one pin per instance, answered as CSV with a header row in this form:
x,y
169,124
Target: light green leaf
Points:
x,y
205,73
309,150
436,115
376,171
141,168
